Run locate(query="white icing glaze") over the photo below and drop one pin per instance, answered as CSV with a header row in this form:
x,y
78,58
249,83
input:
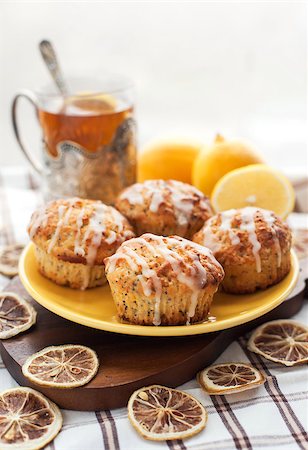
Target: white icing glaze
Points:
x,y
181,196
248,224
149,274
247,218
192,307
61,211
190,272
78,249
97,227
183,205
157,199
270,218
95,230
226,220
112,261
133,195
211,239
64,213
40,220
118,218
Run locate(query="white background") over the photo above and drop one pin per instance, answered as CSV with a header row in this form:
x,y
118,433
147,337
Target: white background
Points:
x,y
234,67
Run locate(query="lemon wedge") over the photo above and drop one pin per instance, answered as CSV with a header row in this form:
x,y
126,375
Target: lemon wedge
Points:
x,y
255,185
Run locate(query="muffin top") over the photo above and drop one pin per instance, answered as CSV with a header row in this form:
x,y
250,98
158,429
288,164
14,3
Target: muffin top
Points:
x,y
238,236
176,202
155,262
78,230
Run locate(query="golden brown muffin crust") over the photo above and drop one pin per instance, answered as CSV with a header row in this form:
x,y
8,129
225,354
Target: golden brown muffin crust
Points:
x,y
161,271
231,235
168,256
164,207
253,246
78,230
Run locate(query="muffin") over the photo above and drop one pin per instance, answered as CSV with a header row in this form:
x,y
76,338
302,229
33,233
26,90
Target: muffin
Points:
x,y
72,238
253,246
158,280
164,208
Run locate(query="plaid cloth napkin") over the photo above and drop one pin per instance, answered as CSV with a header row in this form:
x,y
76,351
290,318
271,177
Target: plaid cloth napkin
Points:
x,y
272,416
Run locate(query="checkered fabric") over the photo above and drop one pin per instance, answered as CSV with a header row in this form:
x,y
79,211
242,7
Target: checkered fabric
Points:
x,y
272,416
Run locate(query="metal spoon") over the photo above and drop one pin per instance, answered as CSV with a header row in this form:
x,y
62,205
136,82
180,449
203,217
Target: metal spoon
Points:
x,y
49,55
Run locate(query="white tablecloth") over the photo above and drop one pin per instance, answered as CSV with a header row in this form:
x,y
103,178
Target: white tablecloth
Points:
x,y
272,416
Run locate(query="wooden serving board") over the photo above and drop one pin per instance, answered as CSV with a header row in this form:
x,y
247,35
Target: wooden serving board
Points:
x,y
126,362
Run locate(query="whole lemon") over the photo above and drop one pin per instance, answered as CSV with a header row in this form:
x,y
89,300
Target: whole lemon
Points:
x,y
172,159
214,162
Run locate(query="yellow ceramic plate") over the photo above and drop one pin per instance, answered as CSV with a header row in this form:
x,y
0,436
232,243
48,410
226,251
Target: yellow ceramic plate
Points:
x,y
95,308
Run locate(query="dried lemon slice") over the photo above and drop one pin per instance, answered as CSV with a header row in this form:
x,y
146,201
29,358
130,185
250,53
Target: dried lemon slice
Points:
x,y
62,366
28,420
16,315
9,257
159,413
282,341
228,378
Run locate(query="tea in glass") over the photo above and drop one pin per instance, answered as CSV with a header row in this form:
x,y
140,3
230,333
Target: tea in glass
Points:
x,y
89,145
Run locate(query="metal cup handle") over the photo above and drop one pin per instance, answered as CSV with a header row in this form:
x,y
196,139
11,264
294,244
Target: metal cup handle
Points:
x,y
32,99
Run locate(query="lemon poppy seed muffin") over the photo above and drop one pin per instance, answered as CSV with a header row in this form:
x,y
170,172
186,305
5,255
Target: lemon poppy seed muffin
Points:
x,y
164,207
158,280
253,246
72,238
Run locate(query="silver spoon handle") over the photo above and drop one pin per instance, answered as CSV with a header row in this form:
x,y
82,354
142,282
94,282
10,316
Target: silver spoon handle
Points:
x,y
50,58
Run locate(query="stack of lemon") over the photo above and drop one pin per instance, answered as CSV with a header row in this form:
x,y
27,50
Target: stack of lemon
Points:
x,y
231,172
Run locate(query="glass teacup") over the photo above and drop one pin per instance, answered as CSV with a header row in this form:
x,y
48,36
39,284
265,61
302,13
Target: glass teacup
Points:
x,y
89,147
